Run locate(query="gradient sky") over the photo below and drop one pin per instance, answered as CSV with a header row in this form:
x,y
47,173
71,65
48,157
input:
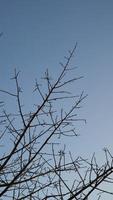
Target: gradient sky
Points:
x,y
37,35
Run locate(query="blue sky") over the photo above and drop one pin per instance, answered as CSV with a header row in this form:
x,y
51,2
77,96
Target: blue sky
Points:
x,y
36,36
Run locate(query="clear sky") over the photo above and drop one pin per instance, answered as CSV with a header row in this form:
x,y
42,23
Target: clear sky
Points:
x,y
36,36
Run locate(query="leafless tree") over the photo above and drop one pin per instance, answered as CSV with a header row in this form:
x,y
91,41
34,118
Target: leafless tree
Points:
x,y
32,165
